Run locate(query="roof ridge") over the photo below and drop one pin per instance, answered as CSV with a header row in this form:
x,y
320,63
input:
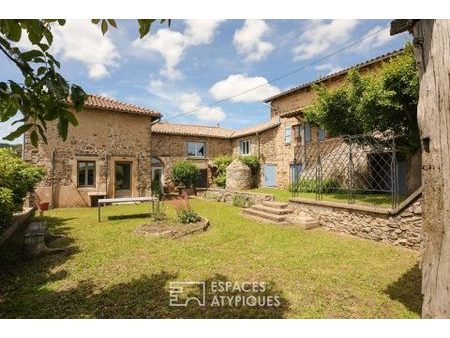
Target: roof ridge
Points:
x,y
120,102
342,71
196,125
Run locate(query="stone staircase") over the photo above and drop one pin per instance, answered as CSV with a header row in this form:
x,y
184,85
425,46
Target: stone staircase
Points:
x,y
280,213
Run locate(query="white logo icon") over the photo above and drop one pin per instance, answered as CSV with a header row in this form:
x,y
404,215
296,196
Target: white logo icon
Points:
x,y
179,288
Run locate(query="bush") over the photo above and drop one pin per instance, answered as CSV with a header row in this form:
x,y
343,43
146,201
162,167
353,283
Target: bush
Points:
x,y
252,161
18,176
184,211
221,180
241,202
313,185
185,173
221,163
6,207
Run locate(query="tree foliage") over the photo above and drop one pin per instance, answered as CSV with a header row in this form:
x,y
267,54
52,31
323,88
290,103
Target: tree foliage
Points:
x,y
378,101
185,173
43,94
17,178
221,163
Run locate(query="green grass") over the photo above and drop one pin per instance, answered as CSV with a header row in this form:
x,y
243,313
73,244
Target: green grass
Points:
x,y
113,273
379,200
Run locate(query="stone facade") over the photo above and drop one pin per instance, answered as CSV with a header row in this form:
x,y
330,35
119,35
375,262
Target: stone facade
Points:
x,y
104,137
173,148
401,227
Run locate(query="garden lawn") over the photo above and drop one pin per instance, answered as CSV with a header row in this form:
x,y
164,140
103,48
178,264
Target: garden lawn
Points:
x,y
378,200
113,273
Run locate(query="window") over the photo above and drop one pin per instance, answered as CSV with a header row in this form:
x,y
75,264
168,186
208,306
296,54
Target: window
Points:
x,y
287,135
322,134
307,133
245,147
196,149
298,134
86,173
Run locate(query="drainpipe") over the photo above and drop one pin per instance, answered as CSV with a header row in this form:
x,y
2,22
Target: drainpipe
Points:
x,y
156,120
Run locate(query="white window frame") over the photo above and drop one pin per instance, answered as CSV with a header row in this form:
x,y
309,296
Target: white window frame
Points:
x,y
241,147
198,145
288,135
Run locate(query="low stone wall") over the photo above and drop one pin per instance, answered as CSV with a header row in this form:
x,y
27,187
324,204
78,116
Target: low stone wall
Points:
x,y
226,196
18,219
401,226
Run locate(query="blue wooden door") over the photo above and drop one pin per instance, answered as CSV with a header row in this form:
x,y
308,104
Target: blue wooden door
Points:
x,y
270,175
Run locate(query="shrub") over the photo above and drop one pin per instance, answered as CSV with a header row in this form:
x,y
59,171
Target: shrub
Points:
x,y
252,161
18,176
313,185
157,189
221,163
184,211
241,202
185,173
221,180
6,207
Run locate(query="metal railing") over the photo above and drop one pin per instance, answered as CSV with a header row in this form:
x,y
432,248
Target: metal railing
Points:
x,y
352,165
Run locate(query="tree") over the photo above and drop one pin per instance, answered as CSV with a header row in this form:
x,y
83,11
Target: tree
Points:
x,y
432,50
185,173
379,101
44,94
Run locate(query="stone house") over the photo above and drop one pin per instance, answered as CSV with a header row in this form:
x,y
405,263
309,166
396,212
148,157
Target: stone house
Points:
x,y
107,154
118,149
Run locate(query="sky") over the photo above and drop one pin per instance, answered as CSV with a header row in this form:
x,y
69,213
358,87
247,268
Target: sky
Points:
x,y
179,69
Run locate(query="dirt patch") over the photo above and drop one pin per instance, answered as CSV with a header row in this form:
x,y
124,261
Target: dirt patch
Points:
x,y
171,229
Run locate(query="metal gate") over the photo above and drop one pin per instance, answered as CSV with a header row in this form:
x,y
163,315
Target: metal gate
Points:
x,y
357,164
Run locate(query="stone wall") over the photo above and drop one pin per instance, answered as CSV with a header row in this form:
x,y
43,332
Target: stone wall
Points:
x,y
401,226
173,148
102,136
226,196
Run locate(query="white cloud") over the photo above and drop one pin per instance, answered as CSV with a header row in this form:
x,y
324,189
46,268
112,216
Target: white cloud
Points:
x,y
172,44
320,35
201,32
82,41
249,40
189,102
374,41
238,83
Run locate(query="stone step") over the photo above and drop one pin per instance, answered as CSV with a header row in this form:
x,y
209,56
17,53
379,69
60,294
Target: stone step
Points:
x,y
276,205
265,215
304,221
276,211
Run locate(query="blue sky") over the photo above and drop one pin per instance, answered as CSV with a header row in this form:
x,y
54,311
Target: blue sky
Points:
x,y
193,63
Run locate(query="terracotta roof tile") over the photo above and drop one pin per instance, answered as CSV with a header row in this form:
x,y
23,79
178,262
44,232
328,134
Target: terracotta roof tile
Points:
x,y
210,131
256,129
191,129
341,72
102,102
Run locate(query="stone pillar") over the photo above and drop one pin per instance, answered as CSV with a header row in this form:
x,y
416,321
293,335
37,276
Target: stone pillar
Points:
x,y
239,176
